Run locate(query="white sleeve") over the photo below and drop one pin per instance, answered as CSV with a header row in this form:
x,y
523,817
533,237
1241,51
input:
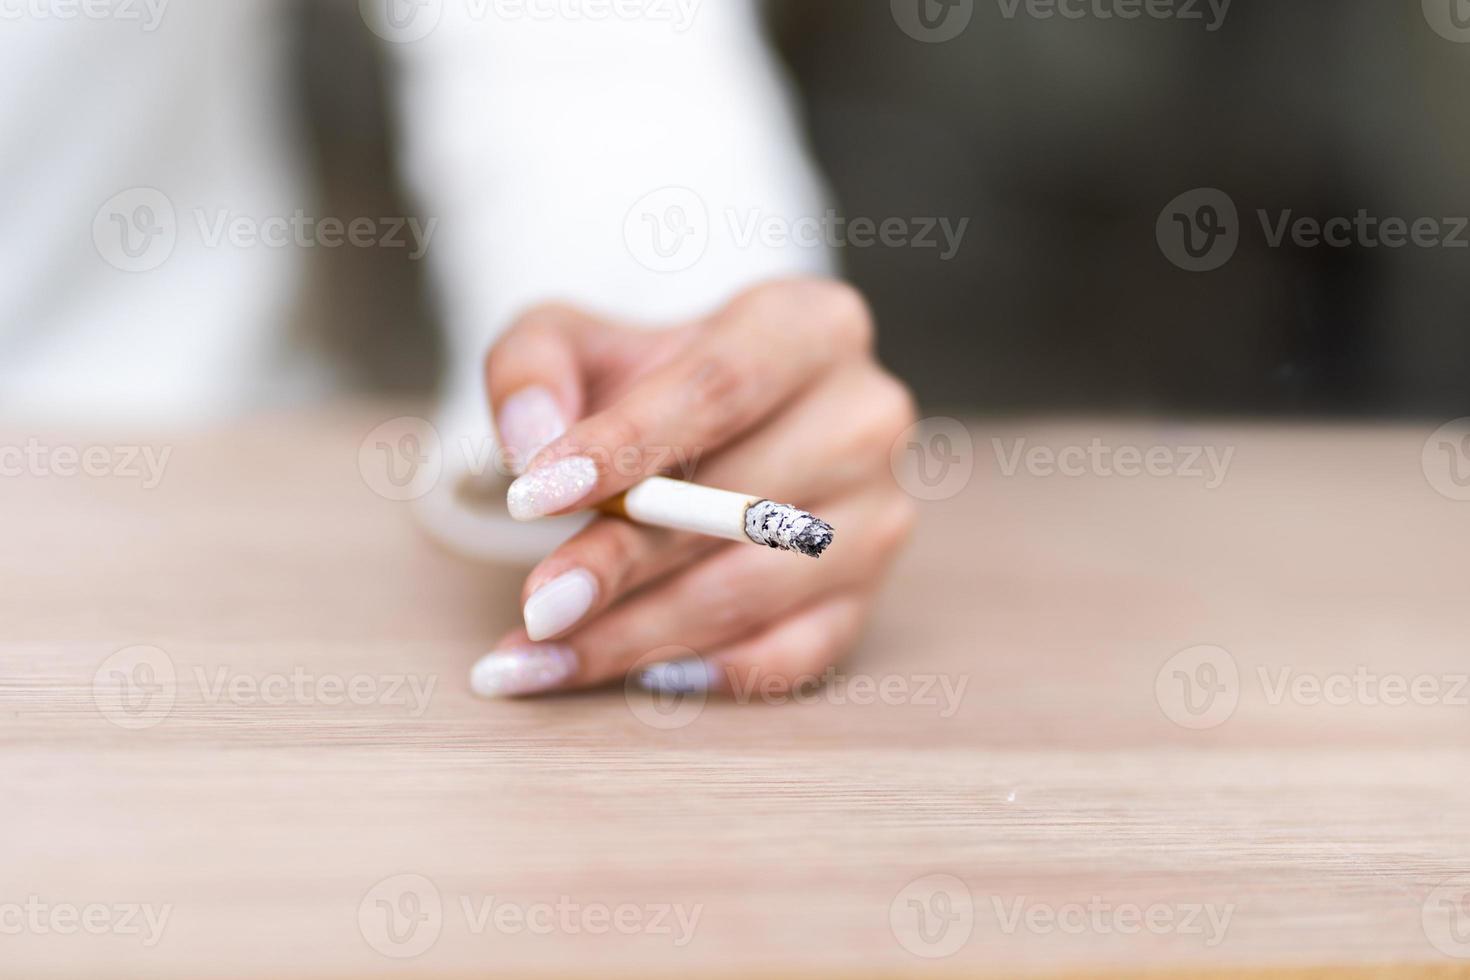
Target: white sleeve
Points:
x,y
634,166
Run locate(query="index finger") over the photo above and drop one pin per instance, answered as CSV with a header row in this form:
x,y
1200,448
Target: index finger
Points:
x,y
754,356
538,371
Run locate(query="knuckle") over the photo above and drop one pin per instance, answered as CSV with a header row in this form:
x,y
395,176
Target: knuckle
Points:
x,y
844,314
877,407
800,665
808,657
714,385
893,404
835,310
800,653
761,300
895,524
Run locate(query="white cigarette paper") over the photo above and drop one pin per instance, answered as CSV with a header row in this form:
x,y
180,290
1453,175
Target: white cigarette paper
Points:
x,y
663,502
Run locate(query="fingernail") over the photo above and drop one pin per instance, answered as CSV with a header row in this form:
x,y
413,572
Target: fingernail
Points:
x,y
552,487
559,603
691,676
527,422
527,669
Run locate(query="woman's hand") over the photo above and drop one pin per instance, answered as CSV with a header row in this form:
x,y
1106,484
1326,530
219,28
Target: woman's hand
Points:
x,y
778,395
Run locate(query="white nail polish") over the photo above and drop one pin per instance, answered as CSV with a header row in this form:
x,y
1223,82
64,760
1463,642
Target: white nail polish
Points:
x,y
527,422
690,676
559,604
551,488
528,669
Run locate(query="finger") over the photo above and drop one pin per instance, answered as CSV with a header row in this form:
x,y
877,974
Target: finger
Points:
x,y
738,589
753,357
538,373
734,592
793,652
801,457
601,564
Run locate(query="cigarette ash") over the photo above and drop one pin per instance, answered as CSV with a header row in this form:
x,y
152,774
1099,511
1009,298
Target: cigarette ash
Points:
x,y
787,528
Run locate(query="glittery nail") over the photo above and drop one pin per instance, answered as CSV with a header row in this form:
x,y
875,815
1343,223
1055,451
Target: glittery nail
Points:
x,y
527,422
551,488
527,669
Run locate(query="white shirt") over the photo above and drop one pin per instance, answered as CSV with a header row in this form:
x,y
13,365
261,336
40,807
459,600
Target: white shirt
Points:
x,y
157,207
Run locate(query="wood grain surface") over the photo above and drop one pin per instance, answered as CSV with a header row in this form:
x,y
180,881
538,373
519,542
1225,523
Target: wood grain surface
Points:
x,y
276,787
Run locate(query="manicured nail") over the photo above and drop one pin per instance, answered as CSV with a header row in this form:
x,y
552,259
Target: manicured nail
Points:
x,y
691,676
528,421
551,488
559,604
527,669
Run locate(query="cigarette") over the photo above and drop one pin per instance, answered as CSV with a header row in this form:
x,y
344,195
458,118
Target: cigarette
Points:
x,y
661,502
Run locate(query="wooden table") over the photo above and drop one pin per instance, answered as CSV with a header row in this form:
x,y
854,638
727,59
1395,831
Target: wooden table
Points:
x,y
1055,819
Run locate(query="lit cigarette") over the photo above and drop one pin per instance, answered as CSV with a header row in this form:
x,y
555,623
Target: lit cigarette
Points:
x,y
661,502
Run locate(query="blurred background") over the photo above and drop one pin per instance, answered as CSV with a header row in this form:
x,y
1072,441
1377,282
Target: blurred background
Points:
x,y
1063,140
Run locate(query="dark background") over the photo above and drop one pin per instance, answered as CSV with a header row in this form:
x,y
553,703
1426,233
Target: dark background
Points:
x,y
1062,141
